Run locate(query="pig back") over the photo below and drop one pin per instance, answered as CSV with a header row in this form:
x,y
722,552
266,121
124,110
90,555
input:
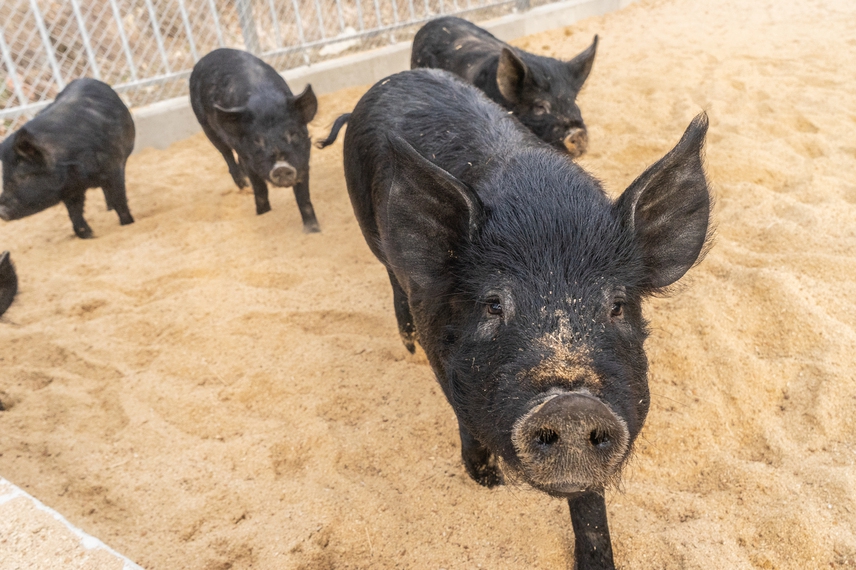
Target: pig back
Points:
x,y
87,124
447,121
455,45
229,77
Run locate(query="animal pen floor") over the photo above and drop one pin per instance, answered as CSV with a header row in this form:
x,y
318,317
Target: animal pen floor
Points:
x,y
210,389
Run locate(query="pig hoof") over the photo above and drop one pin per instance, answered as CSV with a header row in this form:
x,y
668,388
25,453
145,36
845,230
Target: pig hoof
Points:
x,y
484,472
263,209
408,337
311,228
83,232
239,178
487,477
124,221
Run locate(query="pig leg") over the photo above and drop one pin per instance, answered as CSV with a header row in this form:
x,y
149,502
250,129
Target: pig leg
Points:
x,y
74,204
307,212
107,200
480,463
402,314
260,191
235,169
592,547
117,199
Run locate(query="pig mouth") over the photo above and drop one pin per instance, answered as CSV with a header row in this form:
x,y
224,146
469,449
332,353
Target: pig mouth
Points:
x,y
569,442
575,142
7,214
16,210
283,175
288,184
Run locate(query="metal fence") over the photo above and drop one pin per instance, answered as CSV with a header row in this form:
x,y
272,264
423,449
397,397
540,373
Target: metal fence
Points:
x,y
146,49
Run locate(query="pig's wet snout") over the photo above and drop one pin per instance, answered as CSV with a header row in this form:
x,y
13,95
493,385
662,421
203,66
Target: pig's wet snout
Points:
x,y
570,442
283,174
576,141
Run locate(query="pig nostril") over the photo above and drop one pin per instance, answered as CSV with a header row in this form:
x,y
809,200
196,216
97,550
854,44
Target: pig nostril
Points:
x,y
547,437
599,440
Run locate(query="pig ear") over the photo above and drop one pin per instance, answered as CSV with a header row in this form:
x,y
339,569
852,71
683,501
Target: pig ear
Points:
x,y
580,66
430,215
234,112
668,208
230,118
27,147
511,75
306,104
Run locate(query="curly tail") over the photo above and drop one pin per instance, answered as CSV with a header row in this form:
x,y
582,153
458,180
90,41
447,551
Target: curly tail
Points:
x,y
337,126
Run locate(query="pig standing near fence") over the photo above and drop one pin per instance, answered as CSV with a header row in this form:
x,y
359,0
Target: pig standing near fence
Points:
x,y
82,140
540,91
244,105
523,281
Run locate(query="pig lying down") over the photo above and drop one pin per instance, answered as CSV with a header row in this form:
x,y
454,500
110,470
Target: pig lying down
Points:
x,y
523,281
540,91
82,140
8,281
244,105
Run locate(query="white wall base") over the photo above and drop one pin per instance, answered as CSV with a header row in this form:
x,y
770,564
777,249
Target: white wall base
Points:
x,y
161,124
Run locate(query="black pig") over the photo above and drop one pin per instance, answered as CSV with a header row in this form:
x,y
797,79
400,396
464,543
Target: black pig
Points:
x,y
523,281
540,91
243,104
8,282
82,140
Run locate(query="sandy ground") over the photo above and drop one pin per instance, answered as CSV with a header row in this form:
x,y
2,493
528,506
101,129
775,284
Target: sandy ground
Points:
x,y
210,389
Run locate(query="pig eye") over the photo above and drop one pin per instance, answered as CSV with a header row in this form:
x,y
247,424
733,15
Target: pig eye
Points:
x,y
541,108
494,307
617,310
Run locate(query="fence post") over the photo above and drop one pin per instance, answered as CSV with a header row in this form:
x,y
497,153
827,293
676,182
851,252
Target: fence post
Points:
x,y
248,25
46,43
13,73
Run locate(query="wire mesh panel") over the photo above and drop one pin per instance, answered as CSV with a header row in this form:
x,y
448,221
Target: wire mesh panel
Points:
x,y
146,49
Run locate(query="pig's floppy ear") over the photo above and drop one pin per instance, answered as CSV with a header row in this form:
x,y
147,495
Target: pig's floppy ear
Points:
x,y
511,75
668,208
230,112
230,118
430,215
580,66
306,104
27,147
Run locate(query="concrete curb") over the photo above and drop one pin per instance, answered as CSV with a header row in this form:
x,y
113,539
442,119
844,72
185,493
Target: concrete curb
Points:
x,y
35,536
161,124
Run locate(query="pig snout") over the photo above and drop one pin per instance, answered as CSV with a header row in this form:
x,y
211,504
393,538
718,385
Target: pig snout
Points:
x,y
5,210
570,442
283,174
576,141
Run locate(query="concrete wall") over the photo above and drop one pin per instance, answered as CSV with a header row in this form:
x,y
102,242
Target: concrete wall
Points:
x,y
161,124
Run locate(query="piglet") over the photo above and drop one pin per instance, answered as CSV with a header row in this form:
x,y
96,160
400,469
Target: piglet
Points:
x,y
245,106
82,140
523,281
8,281
540,91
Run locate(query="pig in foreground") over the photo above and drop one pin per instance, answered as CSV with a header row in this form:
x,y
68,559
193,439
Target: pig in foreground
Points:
x,y
523,281
8,282
82,140
540,91
244,105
